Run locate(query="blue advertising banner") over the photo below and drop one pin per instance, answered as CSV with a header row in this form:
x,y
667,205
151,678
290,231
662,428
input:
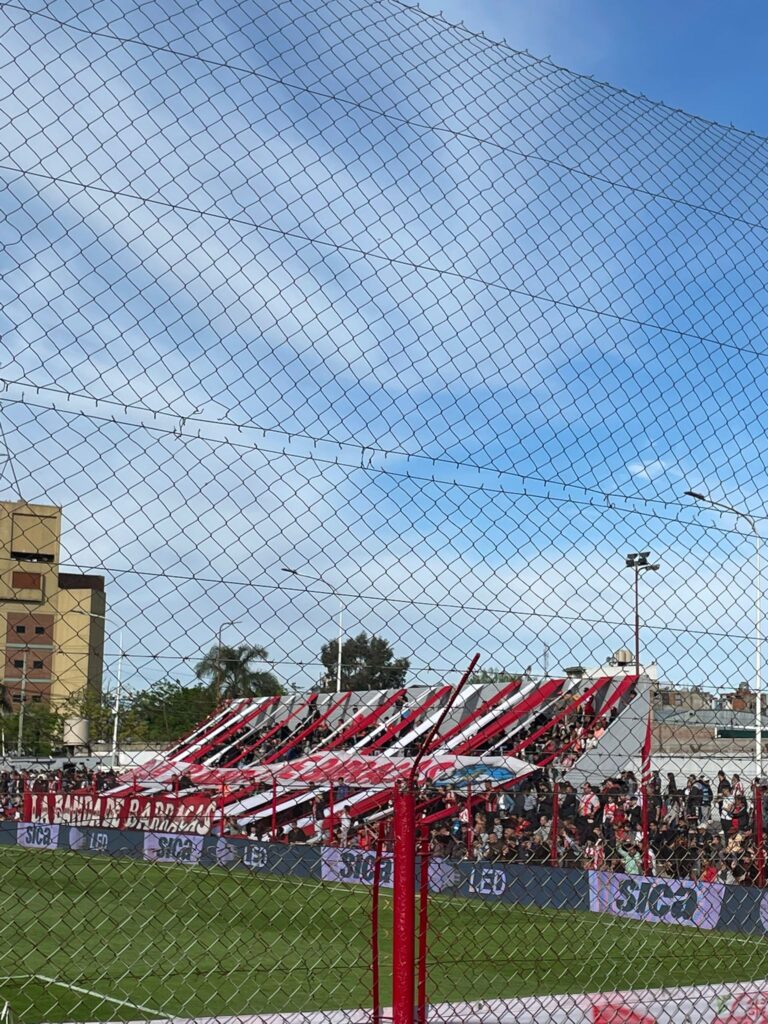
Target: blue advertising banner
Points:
x,y
356,868
34,835
671,901
175,848
556,888
476,774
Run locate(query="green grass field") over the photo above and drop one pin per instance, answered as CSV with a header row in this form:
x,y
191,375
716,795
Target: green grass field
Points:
x,y
94,938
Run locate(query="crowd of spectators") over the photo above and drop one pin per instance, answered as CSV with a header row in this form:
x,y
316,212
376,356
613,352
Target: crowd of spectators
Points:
x,y
697,830
68,779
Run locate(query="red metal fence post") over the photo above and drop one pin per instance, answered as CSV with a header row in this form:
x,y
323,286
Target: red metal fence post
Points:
x,y
553,860
421,981
644,819
375,891
331,813
274,808
759,835
404,909
470,824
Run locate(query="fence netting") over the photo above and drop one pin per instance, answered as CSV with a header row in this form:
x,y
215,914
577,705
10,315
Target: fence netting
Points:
x,y
382,465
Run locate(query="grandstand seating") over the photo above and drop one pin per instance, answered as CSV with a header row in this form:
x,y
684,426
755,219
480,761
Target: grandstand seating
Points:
x,y
328,740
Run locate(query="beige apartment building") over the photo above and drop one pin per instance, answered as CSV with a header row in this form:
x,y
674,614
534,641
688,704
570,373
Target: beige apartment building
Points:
x,y
51,623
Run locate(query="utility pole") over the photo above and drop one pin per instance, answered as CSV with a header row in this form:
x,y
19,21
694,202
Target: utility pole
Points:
x,y
219,664
20,743
118,693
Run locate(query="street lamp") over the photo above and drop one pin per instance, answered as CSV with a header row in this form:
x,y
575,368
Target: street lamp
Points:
x,y
321,579
638,561
222,627
118,690
758,619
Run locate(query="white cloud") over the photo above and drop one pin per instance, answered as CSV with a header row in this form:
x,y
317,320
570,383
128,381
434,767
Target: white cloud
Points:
x,y
654,469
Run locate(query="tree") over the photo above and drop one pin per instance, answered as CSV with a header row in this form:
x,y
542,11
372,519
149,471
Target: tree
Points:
x,y
232,674
165,711
367,663
484,676
97,708
42,730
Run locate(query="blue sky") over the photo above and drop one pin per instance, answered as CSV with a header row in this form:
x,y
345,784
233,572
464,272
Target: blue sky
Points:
x,y
343,287
706,58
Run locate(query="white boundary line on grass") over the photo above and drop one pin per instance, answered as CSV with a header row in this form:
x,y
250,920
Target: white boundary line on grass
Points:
x,y
97,995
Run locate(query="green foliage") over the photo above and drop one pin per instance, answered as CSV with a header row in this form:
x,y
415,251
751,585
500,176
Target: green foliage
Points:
x,y
231,672
485,676
165,711
42,731
367,663
161,713
97,709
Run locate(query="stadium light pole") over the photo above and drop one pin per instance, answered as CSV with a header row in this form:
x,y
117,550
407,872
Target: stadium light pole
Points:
x,y
118,689
638,562
750,520
321,579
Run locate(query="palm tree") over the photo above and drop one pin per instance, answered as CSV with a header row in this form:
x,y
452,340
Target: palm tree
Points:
x,y
232,674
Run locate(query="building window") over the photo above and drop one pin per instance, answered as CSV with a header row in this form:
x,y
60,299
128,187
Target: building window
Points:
x,y
37,698
21,629
26,580
37,664
18,664
39,630
17,698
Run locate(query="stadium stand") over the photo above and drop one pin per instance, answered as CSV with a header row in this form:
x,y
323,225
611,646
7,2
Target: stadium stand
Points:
x,y
332,743
321,768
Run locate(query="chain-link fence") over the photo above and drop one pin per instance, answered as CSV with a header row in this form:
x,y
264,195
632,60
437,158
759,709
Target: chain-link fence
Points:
x,y
382,458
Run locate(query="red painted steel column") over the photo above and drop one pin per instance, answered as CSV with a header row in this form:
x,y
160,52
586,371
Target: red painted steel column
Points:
x,y
331,832
274,808
375,891
470,825
404,906
759,835
555,825
421,981
646,838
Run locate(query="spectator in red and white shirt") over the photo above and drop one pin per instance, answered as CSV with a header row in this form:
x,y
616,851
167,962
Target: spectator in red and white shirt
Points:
x,y
589,805
610,810
594,855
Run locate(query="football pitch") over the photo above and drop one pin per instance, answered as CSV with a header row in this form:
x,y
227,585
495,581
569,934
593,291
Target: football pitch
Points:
x,y
101,939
